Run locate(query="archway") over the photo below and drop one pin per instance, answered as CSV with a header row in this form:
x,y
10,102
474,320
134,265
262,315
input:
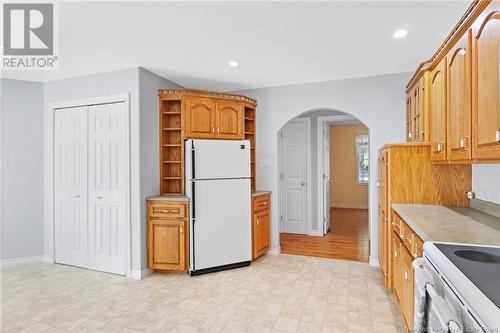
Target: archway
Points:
x,y
307,203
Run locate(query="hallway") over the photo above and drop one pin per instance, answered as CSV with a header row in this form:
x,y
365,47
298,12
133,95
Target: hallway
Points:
x,y
348,238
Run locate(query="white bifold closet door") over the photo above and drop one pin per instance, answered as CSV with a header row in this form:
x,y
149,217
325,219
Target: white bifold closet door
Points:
x,y
92,233
70,184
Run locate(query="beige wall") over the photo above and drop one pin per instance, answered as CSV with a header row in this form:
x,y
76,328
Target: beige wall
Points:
x,y
345,192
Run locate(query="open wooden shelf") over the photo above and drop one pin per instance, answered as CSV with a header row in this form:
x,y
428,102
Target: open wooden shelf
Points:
x,y
250,125
171,147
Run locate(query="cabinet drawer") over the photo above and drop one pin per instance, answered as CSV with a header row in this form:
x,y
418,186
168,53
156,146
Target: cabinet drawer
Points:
x,y
407,236
261,203
167,210
418,247
396,223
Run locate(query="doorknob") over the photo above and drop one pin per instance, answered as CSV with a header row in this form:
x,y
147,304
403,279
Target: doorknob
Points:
x,y
303,184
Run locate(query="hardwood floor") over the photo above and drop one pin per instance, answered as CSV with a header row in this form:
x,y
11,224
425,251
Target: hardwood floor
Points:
x,y
348,238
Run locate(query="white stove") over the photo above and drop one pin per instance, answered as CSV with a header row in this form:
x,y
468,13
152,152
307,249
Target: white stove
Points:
x,y
468,278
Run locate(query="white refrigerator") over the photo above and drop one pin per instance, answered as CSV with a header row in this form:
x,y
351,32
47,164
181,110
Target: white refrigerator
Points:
x,y
218,185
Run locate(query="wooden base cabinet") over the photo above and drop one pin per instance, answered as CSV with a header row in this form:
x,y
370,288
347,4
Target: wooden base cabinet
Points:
x,y
168,235
406,246
261,225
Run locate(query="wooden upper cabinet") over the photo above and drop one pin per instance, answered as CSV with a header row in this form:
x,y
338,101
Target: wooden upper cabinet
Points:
x,y
437,92
416,112
200,118
229,120
486,85
459,100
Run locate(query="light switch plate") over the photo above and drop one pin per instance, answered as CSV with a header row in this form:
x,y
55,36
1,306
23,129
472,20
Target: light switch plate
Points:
x,y
263,163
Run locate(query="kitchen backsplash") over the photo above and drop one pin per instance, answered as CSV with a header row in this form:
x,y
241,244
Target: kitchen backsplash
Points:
x,y
486,182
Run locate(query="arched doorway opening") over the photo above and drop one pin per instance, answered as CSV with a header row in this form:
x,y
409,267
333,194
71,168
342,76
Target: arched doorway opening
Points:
x,y
323,185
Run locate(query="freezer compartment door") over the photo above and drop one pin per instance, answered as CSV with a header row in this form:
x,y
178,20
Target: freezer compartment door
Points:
x,y
221,231
215,159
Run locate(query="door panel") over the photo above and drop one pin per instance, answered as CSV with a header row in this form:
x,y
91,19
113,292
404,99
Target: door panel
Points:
x,y
459,107
294,177
229,120
167,244
262,220
438,112
200,118
107,187
70,186
486,86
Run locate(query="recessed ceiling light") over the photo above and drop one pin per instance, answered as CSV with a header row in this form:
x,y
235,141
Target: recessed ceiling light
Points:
x,y
400,33
234,63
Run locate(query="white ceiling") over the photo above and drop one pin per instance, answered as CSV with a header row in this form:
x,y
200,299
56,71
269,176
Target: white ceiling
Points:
x,y
277,43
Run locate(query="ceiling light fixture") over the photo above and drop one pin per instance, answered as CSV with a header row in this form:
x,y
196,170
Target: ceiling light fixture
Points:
x,y
400,33
234,63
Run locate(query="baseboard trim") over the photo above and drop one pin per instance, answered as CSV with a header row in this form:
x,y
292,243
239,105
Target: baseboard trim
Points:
x,y
21,261
374,262
349,205
274,251
48,259
139,274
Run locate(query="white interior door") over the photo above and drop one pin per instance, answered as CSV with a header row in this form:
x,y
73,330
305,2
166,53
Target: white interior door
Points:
x,y
294,192
70,186
326,178
108,186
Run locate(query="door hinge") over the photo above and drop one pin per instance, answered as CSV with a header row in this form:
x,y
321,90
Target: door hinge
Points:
x,y
281,133
324,176
281,218
281,176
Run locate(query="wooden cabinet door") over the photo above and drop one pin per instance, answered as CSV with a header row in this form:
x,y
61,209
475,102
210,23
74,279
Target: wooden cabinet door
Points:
x,y
200,118
261,235
415,113
397,275
438,112
407,300
409,117
166,244
229,121
458,101
486,86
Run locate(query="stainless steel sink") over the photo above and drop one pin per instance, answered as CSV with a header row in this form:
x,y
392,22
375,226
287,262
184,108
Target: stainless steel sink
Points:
x,y
478,256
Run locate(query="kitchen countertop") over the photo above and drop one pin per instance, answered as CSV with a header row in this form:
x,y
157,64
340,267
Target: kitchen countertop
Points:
x,y
451,224
178,198
259,193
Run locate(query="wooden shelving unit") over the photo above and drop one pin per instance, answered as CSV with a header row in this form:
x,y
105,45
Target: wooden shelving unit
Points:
x,y
179,111
250,126
171,147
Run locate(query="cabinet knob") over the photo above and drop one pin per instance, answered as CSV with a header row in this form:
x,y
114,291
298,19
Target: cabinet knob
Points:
x,y
406,275
497,135
257,221
213,129
439,147
182,229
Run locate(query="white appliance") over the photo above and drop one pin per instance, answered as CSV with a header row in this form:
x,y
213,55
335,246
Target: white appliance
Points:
x,y
218,185
462,286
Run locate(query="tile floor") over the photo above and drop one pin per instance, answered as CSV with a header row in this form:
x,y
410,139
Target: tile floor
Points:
x,y
282,293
